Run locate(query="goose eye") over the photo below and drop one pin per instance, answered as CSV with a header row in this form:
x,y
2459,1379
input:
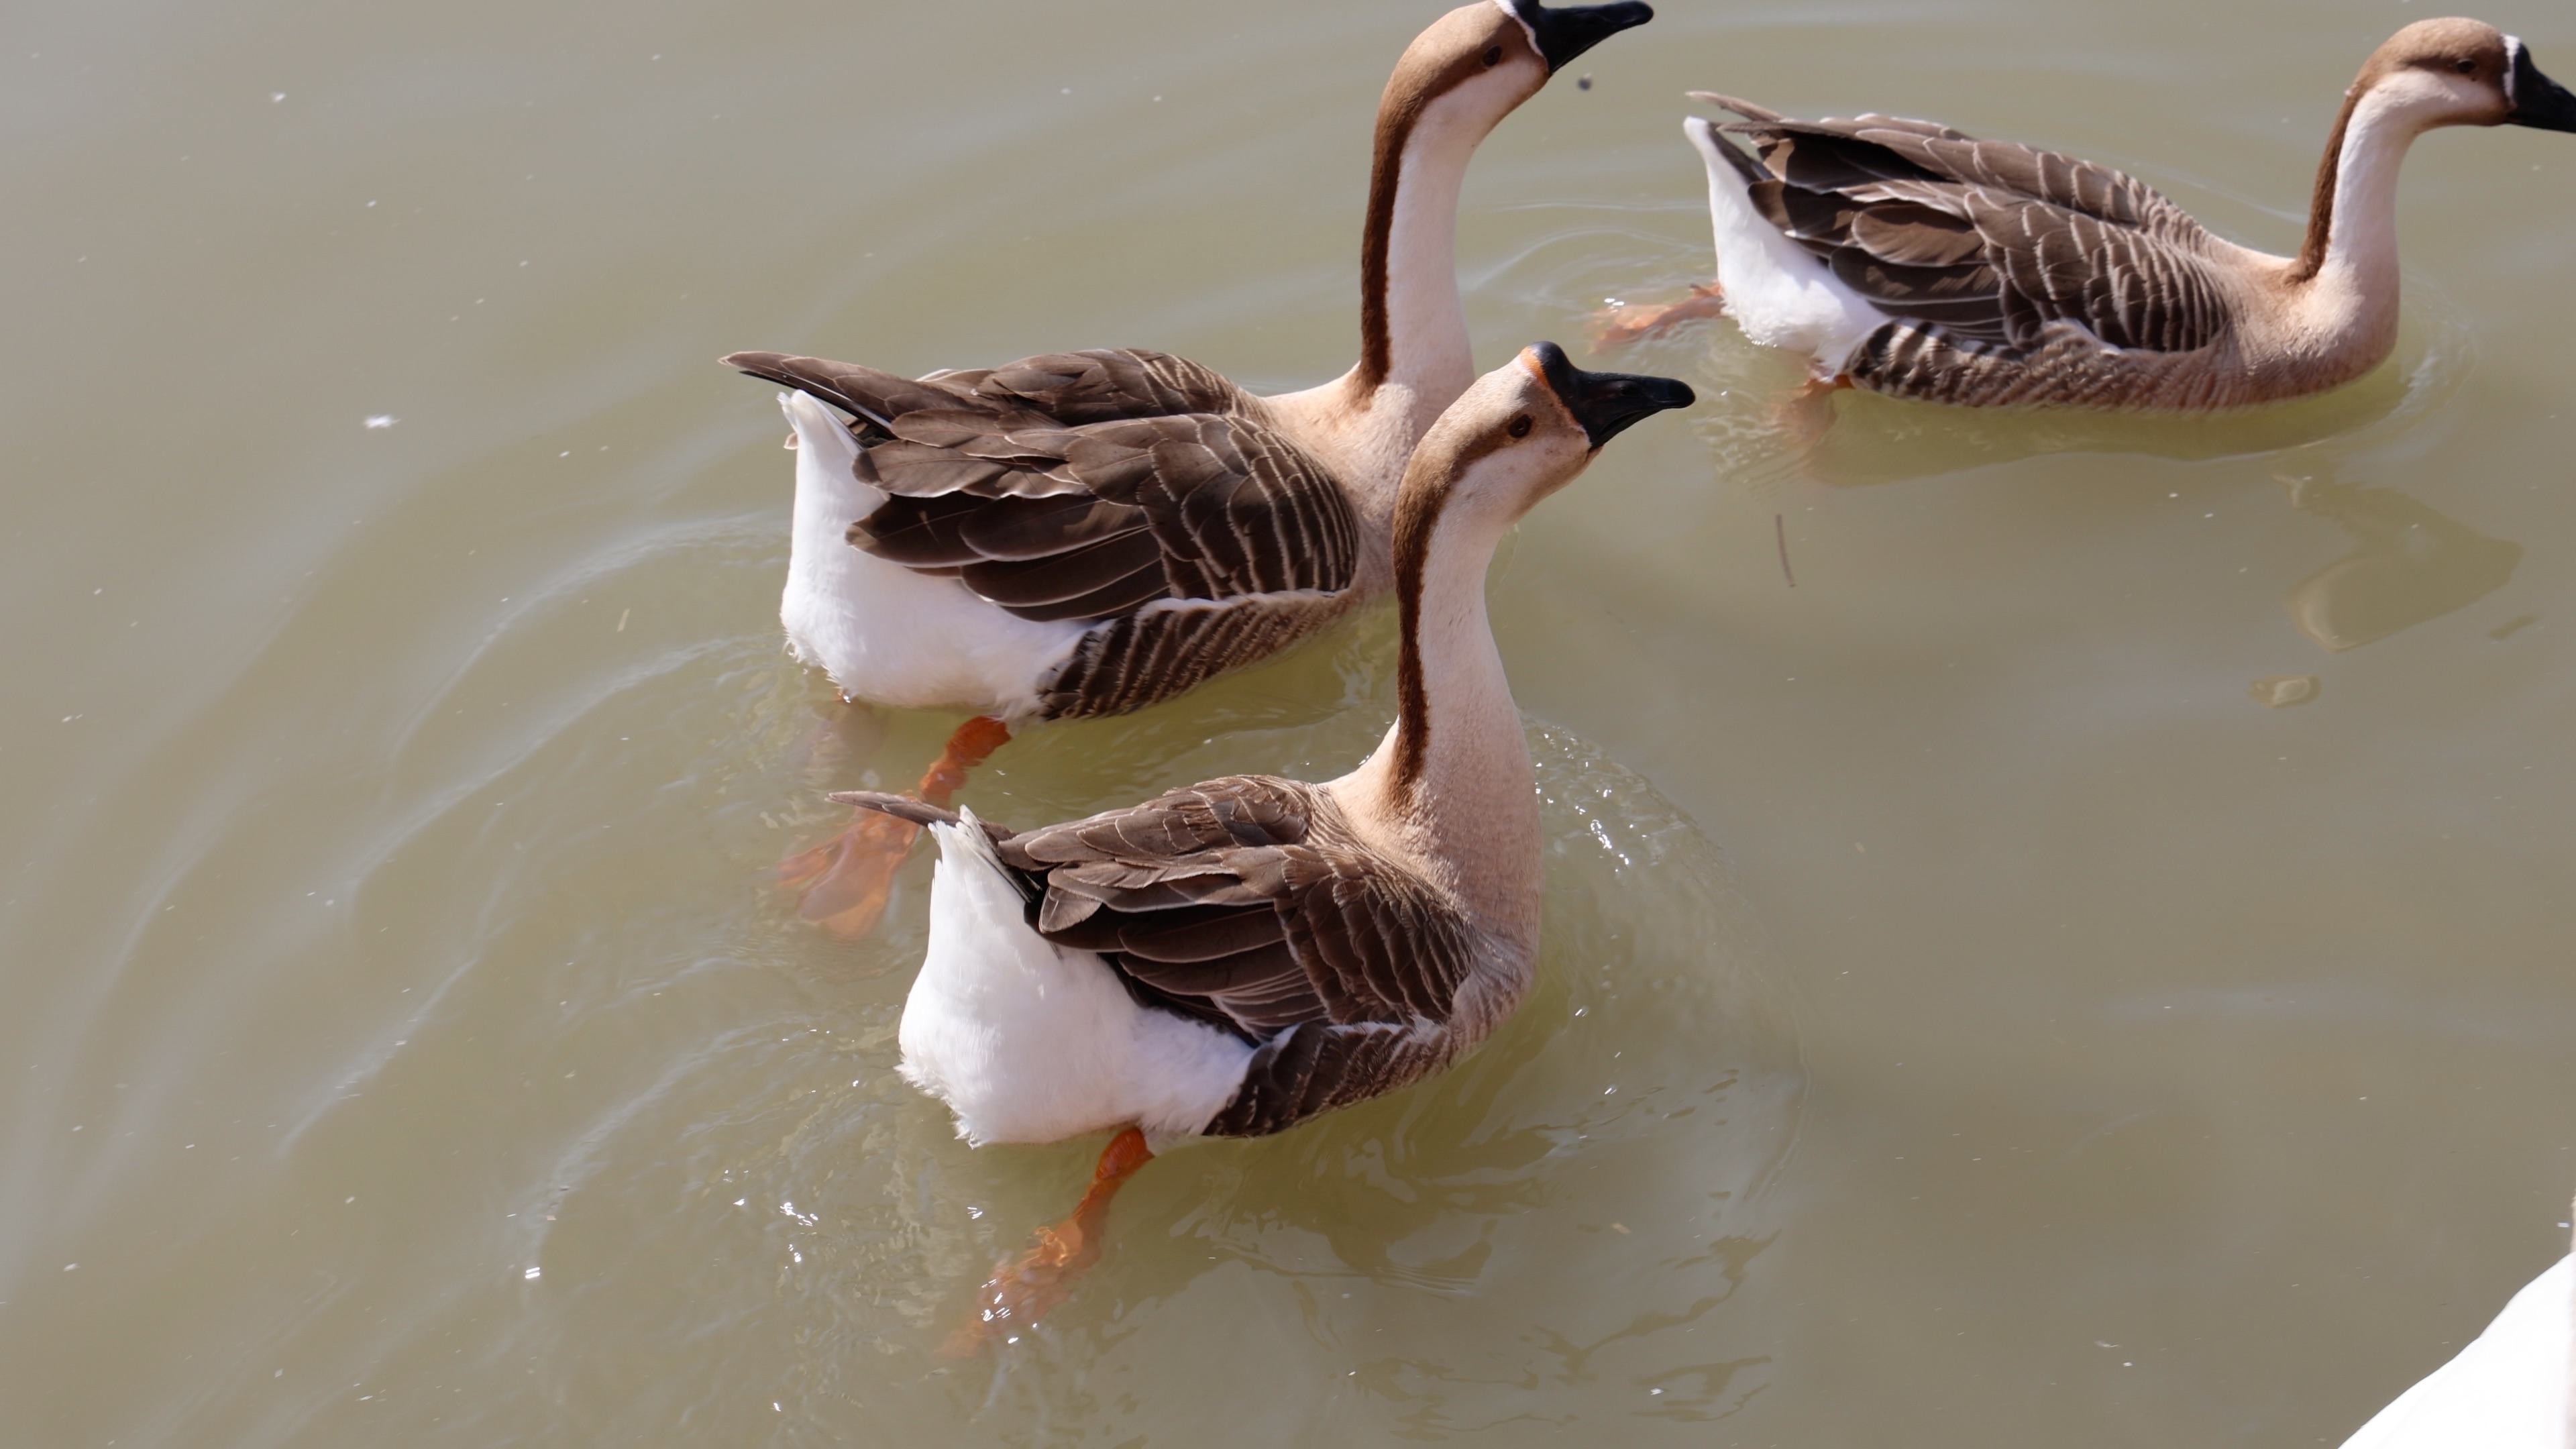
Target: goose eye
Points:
x,y
1520,426
1493,56
2465,66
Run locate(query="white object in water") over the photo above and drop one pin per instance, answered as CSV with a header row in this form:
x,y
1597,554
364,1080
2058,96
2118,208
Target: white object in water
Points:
x,y
2507,1390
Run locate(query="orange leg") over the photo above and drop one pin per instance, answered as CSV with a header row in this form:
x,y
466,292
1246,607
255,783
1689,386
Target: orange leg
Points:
x,y
844,880
1805,414
1626,322
1025,1287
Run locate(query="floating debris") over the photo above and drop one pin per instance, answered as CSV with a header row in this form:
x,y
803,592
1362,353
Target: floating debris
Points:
x,y
2280,691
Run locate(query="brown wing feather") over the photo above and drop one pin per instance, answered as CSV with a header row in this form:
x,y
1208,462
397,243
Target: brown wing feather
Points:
x,y
1086,485
1107,384
1036,528
1240,902
921,533
862,391
1985,243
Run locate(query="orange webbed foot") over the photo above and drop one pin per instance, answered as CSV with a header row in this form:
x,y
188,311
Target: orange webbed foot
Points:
x,y
845,881
1024,1287
1804,415
1624,323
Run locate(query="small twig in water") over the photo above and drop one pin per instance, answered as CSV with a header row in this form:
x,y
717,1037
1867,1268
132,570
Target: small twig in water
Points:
x,y
1780,530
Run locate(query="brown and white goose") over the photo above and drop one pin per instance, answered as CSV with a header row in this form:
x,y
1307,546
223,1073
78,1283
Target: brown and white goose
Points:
x,y
1086,533
1906,258
1236,957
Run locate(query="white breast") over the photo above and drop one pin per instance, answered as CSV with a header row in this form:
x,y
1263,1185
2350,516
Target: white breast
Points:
x,y
881,631
1028,1042
1774,289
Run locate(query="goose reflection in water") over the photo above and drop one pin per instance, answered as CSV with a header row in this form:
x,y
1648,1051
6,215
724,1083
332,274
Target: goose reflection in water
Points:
x,y
2408,565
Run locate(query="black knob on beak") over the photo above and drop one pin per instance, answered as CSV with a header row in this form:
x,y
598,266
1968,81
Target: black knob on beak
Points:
x,y
2537,100
1606,403
1566,31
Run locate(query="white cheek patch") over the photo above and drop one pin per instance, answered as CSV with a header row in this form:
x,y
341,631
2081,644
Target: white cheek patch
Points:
x,y
2512,66
1512,8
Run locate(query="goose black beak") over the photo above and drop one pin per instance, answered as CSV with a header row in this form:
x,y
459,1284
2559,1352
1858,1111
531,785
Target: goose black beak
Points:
x,y
2538,101
1606,403
1567,31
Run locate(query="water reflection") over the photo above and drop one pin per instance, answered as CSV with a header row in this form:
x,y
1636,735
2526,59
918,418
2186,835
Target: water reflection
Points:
x,y
1766,428
1876,440
2408,564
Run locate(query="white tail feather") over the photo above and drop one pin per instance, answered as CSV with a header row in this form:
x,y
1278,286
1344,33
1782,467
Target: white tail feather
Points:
x,y
1028,1042
1774,289
883,632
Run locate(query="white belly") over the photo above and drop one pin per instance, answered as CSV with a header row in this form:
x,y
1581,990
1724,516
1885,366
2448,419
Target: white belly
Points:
x,y
1028,1042
881,631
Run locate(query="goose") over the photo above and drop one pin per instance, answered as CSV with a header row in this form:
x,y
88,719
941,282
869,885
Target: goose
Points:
x,y
1086,533
1909,259
1236,957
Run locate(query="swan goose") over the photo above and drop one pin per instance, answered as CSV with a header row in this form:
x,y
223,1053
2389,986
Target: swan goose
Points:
x,y
1907,258
1087,533
1235,957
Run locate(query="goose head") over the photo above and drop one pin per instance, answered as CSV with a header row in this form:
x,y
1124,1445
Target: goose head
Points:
x,y
1482,60
2457,72
1518,434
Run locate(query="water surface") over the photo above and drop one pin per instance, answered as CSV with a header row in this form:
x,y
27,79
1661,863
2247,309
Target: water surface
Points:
x,y
1968,1016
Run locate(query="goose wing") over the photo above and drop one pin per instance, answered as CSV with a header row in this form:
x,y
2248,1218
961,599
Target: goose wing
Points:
x,y
1084,485
1240,903
1990,241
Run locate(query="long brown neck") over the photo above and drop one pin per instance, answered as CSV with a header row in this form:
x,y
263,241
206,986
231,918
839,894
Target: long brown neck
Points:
x,y
1451,574
2321,199
1386,180
2352,284
1413,330
1454,770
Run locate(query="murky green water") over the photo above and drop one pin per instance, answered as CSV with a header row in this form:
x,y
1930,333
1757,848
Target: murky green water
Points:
x,y
1969,1017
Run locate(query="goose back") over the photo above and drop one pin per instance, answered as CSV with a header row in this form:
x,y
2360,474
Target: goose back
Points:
x,y
1134,491
1986,255
1248,903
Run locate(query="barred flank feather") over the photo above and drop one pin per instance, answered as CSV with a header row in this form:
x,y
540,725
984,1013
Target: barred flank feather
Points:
x,y
1155,653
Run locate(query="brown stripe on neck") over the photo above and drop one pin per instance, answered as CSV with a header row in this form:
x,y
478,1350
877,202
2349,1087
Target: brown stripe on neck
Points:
x,y
1408,94
2321,204
1417,516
